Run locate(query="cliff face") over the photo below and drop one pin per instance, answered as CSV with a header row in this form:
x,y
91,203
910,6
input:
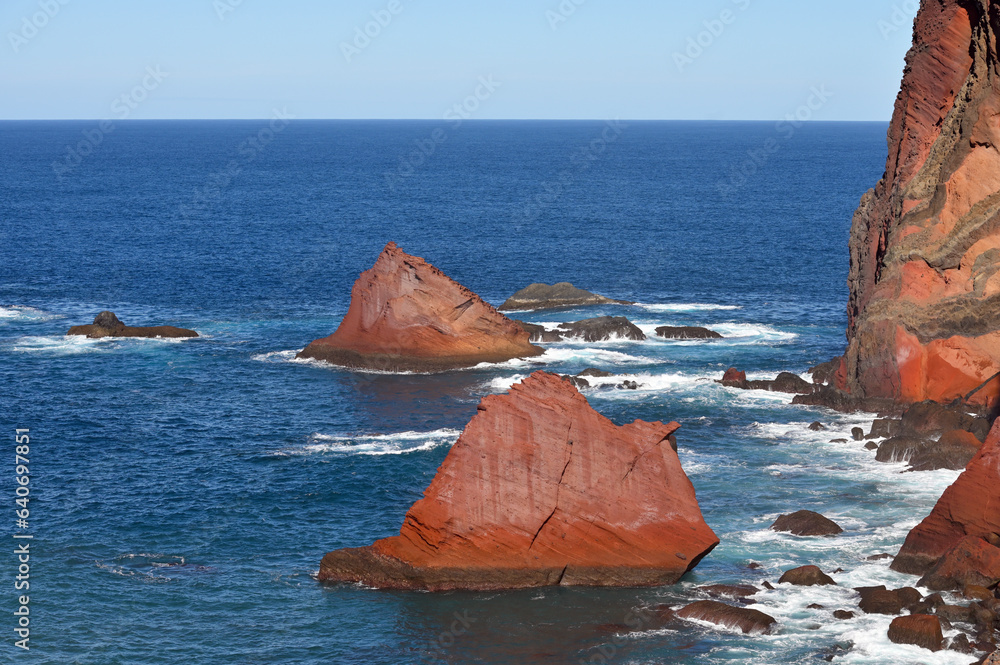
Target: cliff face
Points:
x,y
542,490
924,313
406,315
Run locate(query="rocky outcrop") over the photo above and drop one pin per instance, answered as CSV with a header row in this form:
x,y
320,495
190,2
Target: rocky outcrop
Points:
x,y
925,243
406,315
785,382
747,621
807,576
106,324
542,490
920,630
880,600
972,561
686,332
806,523
556,296
967,508
954,450
600,329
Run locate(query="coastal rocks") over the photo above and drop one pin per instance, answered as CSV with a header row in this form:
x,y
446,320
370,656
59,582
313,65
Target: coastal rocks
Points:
x,y
733,377
973,561
556,296
967,508
600,329
954,450
921,630
786,382
687,332
406,315
106,324
880,600
749,622
806,523
738,592
925,243
807,576
541,490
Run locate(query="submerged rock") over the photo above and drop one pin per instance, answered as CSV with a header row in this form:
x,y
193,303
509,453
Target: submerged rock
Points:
x,y
806,523
602,329
406,315
689,332
542,490
807,576
967,508
555,296
106,324
738,592
750,622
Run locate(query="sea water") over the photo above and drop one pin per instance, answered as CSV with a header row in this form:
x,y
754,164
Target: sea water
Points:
x,y
183,492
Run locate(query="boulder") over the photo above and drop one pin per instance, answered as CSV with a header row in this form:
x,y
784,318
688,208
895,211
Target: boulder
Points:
x,y
556,296
967,508
972,561
806,523
923,282
597,373
735,376
106,324
786,382
541,490
817,426
749,622
956,614
931,419
807,576
539,333
879,600
954,450
406,315
857,434
921,630
688,332
883,428
843,615
602,329
738,592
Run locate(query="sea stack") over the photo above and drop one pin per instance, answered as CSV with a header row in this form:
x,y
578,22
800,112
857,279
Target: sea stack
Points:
x,y
106,324
925,243
541,490
408,316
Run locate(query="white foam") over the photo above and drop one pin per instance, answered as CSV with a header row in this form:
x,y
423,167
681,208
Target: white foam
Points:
x,y
276,356
401,443
63,345
686,307
20,313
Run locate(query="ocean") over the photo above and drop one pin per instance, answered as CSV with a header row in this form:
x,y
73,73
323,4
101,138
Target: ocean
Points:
x,y
183,492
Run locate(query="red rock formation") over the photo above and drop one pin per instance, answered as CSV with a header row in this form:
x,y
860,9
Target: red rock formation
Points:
x,y
406,315
925,243
970,507
973,561
918,629
542,490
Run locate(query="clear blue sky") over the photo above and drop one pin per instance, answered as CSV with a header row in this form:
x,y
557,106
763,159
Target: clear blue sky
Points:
x,y
606,59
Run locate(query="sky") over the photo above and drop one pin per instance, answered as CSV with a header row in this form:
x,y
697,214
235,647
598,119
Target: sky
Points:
x,y
493,59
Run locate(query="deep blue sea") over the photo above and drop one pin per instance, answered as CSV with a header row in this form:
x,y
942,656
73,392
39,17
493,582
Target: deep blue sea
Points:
x,y
183,493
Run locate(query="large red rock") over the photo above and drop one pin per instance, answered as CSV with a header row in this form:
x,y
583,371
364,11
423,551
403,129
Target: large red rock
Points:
x,y
973,561
542,490
925,243
406,315
970,507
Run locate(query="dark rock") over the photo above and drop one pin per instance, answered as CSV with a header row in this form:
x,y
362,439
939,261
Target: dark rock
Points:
x,y
879,557
815,606
961,644
539,333
883,428
838,400
603,329
767,585
786,382
628,385
871,445
839,441
733,591
807,576
830,654
753,565
976,592
858,434
879,600
687,332
595,373
556,296
957,614
576,381
933,419
817,426
928,605
919,629
954,450
824,372
751,622
806,523
843,615
106,324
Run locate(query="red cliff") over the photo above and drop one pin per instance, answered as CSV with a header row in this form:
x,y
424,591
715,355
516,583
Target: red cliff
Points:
x,y
406,315
542,490
925,243
970,507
